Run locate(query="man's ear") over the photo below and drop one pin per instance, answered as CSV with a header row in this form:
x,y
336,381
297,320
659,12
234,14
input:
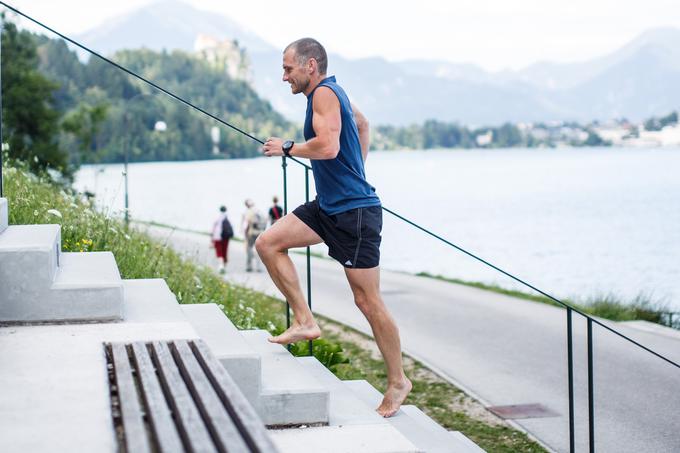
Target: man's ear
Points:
x,y
312,65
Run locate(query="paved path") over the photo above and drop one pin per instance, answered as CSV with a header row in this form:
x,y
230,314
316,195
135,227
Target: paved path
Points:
x,y
507,351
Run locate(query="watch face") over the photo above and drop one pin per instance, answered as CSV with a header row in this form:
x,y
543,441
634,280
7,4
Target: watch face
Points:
x,y
287,145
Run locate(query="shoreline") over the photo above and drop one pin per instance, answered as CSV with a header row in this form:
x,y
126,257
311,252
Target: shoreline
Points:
x,y
608,307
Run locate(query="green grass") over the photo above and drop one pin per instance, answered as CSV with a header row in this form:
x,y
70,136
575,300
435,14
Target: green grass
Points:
x,y
36,200
609,306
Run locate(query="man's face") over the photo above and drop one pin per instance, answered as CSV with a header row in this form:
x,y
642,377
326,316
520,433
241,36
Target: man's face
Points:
x,y
293,73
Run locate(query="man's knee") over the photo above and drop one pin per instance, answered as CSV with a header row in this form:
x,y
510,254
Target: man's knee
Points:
x,y
367,304
265,245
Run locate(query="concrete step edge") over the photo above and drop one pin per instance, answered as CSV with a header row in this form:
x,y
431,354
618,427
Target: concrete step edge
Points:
x,y
4,215
415,425
87,270
289,394
238,357
345,407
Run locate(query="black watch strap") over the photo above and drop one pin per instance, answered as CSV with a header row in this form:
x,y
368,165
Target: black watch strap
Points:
x,y
287,146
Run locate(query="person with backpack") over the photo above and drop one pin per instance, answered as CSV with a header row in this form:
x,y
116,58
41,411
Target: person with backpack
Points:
x,y
275,212
254,223
221,233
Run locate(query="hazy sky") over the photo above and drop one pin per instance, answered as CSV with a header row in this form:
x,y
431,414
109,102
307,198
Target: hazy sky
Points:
x,y
494,34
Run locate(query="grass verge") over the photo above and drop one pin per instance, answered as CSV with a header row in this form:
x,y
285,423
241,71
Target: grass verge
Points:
x,y
607,306
350,355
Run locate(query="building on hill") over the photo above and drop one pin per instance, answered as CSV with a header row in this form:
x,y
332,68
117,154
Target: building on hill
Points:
x,y
225,55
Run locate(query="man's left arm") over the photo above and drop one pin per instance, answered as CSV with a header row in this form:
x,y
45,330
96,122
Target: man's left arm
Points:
x,y
363,127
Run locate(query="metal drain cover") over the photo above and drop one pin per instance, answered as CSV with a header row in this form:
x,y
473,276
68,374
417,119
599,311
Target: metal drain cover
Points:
x,y
523,411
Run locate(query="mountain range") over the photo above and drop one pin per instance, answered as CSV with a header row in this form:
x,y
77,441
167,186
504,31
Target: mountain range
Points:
x,y
639,80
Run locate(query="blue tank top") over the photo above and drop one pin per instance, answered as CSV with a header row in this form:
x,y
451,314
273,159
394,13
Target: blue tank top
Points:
x,y
341,182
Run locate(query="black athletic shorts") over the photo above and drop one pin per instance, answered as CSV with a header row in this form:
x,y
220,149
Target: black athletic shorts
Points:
x,y
352,237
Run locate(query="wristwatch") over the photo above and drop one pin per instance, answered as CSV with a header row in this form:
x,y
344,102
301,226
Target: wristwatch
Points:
x,y
287,146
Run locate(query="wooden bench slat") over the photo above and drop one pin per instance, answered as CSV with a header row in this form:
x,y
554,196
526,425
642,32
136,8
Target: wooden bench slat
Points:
x,y
223,429
240,410
189,420
136,439
158,412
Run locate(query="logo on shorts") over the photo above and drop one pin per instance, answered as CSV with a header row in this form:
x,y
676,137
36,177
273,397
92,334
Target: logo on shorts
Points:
x,y
348,263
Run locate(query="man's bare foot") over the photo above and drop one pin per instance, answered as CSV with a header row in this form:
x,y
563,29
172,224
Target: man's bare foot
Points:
x,y
297,332
394,397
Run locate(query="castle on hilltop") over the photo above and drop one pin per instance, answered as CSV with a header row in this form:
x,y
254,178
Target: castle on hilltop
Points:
x,y
225,55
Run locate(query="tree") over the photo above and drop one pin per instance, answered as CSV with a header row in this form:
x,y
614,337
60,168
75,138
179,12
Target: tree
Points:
x,y
30,121
85,123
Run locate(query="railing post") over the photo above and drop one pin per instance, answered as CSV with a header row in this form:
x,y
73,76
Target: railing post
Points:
x,y
570,369
284,166
591,398
309,261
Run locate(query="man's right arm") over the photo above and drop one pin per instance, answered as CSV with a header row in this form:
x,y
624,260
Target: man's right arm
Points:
x,y
326,123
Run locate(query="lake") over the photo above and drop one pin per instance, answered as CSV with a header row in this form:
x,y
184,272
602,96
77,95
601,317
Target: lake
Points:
x,y
577,223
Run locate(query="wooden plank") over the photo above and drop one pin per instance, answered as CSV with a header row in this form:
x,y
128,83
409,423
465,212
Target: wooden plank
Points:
x,y
191,427
136,439
158,413
242,413
225,434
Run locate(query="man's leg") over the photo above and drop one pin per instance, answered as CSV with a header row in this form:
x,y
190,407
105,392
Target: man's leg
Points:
x,y
272,246
365,284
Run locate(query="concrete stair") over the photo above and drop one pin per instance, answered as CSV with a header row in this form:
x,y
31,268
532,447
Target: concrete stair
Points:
x,y
358,423
40,283
415,425
289,395
4,214
150,300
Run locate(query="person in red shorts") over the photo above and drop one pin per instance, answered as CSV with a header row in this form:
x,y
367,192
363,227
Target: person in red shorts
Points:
x,y
221,233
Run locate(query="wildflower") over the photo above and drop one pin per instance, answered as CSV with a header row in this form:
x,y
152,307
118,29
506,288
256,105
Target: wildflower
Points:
x,y
36,213
128,238
54,212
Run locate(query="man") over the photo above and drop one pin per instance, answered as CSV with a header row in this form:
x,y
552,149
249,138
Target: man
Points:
x,y
346,214
276,211
252,225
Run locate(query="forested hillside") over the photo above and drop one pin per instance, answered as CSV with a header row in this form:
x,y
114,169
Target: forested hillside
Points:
x,y
96,112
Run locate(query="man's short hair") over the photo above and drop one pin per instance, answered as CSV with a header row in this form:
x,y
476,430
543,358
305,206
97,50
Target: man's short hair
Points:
x,y
223,209
307,48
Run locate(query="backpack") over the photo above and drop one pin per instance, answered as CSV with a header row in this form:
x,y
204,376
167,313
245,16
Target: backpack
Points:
x,y
227,230
258,225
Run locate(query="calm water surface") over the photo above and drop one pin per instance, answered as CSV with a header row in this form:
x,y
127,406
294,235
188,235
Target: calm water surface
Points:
x,y
576,223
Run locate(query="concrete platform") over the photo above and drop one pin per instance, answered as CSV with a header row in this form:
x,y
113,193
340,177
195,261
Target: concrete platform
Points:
x,y
4,214
54,391
228,346
289,396
415,425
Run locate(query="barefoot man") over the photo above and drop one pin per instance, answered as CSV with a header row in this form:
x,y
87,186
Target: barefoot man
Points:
x,y
346,214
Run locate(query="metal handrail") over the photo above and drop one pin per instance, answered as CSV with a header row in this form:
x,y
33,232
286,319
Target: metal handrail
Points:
x,y
569,307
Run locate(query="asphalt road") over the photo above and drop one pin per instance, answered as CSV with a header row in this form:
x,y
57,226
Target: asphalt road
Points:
x,y
507,351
